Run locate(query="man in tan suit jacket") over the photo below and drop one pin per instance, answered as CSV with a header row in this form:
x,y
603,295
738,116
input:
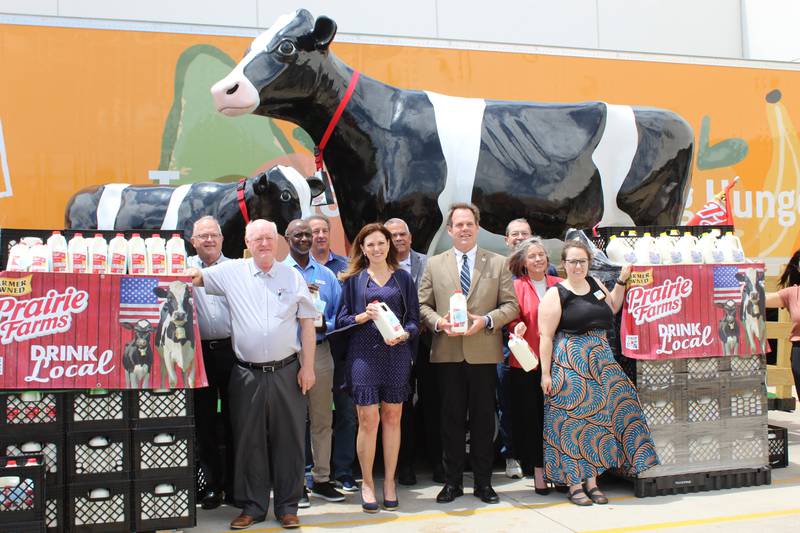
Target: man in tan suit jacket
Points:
x,y
467,362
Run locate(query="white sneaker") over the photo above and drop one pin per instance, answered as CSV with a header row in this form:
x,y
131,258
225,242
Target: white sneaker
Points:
x,y
513,470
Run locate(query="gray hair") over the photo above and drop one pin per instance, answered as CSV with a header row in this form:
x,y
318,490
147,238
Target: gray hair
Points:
x,y
396,221
519,221
319,216
271,226
518,258
205,218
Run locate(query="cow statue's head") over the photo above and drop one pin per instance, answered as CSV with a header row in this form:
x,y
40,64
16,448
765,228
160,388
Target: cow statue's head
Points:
x,y
282,194
280,68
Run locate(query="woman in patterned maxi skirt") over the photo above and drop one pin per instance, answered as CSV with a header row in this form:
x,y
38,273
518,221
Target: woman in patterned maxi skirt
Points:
x,y
593,420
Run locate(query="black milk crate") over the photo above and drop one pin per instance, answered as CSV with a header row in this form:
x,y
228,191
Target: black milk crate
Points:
x,y
99,507
746,398
93,409
21,491
35,526
659,372
604,234
31,409
98,455
778,439
663,406
161,452
162,407
50,444
705,370
701,481
164,503
704,403
54,517
748,445
747,366
707,446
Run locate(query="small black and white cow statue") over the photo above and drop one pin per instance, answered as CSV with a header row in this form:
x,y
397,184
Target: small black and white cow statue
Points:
x,y
753,309
137,357
281,195
175,340
729,328
410,154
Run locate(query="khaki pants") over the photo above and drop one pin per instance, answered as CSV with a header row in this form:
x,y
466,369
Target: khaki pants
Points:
x,y
320,413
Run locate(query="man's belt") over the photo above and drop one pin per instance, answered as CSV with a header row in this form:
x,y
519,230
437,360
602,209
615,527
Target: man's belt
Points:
x,y
217,343
268,367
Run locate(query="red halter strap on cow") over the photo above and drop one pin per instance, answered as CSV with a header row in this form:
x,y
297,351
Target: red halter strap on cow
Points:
x,y
240,197
318,150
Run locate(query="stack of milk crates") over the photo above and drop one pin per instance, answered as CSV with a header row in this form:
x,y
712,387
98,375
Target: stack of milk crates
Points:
x,y
112,461
32,436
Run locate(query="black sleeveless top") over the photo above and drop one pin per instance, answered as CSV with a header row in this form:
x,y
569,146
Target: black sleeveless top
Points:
x,y
580,313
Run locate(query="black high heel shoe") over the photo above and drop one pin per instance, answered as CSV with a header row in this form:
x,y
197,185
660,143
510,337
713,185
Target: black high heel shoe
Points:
x,y
369,507
542,492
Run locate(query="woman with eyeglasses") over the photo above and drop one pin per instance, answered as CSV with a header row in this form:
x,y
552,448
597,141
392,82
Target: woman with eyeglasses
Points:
x,y
593,420
529,263
788,297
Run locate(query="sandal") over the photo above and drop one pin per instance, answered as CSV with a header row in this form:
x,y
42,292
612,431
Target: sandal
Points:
x,y
596,496
579,498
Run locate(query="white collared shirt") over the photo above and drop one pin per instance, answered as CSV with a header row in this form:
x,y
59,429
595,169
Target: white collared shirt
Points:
x,y
213,315
470,260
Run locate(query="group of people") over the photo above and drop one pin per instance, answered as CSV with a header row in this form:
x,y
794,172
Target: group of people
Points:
x,y
569,420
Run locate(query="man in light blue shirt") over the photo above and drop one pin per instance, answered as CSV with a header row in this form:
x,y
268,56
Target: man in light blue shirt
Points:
x,y
325,287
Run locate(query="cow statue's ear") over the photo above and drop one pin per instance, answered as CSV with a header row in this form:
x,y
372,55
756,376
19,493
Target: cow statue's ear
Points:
x,y
324,32
261,185
316,185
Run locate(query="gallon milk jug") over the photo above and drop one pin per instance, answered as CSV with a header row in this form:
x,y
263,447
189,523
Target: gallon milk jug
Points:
x,y
118,255
712,254
176,255
646,251
319,305
458,312
387,322
40,258
156,255
666,249
77,255
731,248
522,351
619,251
689,249
19,258
99,255
58,252
137,255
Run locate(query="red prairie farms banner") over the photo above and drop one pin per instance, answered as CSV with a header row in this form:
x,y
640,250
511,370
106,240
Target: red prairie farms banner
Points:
x,y
674,311
86,331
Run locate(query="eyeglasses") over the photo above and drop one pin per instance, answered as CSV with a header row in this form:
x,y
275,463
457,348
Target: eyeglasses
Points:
x,y
207,236
577,262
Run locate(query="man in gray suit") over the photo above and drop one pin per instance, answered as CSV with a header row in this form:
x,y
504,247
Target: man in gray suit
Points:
x,y
422,380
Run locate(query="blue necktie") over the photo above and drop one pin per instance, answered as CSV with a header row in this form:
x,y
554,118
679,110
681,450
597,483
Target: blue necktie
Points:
x,y
465,276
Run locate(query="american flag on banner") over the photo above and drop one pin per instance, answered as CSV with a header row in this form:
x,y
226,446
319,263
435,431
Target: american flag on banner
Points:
x,y
137,300
726,286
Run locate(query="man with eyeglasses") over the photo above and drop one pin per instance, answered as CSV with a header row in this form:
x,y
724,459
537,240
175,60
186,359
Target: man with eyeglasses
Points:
x,y
214,321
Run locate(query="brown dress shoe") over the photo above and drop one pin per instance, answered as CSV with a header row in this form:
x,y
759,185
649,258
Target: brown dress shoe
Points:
x,y
243,521
290,521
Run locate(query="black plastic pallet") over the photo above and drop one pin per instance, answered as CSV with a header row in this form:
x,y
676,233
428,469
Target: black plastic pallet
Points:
x,y
700,482
781,404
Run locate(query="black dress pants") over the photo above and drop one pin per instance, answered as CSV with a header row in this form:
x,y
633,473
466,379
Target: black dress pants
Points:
x,y
527,417
468,393
218,359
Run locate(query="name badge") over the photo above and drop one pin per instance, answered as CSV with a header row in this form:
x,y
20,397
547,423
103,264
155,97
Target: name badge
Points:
x,y
599,294
320,282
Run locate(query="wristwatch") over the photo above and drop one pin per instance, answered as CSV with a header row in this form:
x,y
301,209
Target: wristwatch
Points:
x,y
620,282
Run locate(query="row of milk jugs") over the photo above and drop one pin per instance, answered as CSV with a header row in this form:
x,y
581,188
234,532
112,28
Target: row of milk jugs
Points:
x,y
667,249
138,256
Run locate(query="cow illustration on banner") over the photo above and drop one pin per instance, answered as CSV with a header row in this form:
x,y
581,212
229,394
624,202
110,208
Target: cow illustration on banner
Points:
x,y
62,331
694,311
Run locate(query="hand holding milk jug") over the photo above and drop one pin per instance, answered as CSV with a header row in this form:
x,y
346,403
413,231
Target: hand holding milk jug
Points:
x,y
387,323
521,349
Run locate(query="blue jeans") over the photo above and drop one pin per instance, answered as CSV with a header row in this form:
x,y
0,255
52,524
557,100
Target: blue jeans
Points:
x,y
504,409
344,434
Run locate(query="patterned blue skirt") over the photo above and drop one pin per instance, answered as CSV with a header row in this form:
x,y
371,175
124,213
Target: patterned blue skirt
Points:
x,y
593,420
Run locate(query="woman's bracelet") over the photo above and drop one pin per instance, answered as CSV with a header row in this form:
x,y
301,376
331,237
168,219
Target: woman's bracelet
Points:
x,y
620,282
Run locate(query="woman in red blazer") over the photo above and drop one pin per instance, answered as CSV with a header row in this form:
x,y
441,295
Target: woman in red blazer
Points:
x,y
528,263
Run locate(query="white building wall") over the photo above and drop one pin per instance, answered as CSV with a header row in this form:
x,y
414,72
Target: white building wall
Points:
x,y
758,29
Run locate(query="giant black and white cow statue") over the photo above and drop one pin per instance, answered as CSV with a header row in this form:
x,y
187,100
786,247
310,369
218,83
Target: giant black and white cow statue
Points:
x,y
280,194
409,154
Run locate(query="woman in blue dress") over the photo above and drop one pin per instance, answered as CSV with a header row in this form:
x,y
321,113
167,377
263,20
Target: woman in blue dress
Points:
x,y
593,420
377,370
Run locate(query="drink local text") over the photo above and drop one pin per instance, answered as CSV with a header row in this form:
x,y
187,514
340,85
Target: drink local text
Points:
x,y
53,362
682,338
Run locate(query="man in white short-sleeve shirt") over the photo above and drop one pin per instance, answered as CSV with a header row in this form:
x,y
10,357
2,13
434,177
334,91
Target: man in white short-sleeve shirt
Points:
x,y
269,304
